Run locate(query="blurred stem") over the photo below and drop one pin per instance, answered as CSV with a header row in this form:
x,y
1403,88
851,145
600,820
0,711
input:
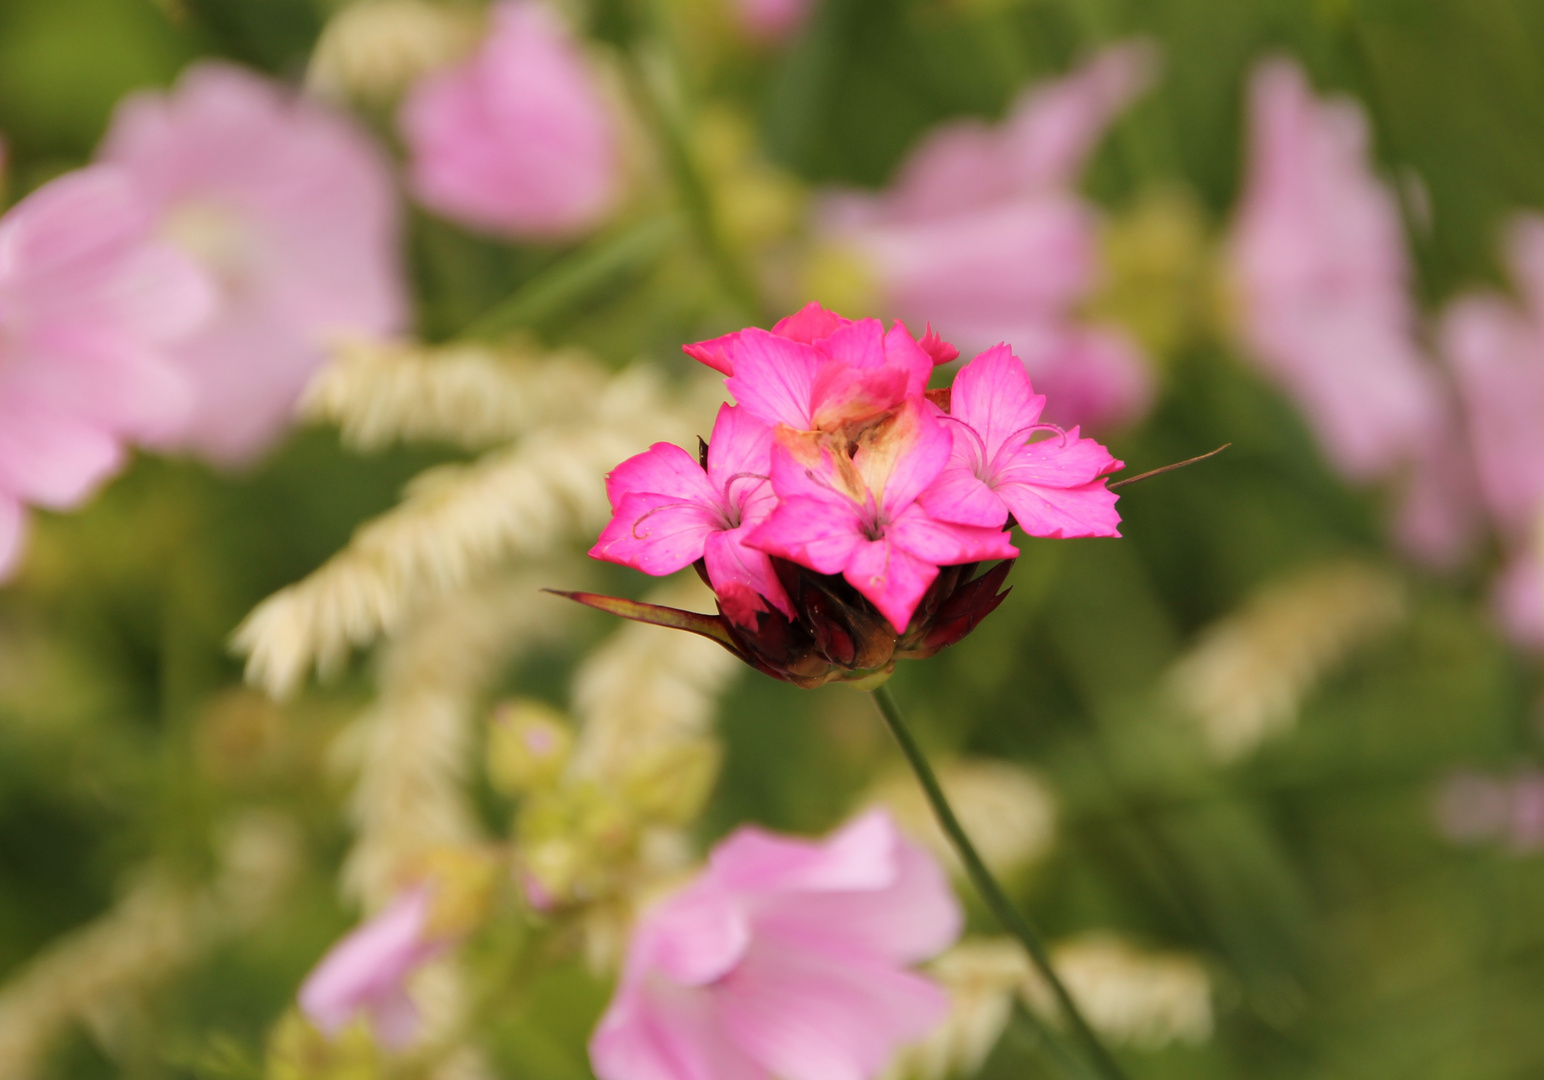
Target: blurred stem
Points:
x,y
1003,909
576,276
695,196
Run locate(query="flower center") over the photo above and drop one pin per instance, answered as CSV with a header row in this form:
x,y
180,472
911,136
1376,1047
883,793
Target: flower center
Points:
x,y
218,239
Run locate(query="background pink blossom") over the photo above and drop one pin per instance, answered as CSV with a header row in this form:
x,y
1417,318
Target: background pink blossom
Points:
x,y
784,958
1319,266
983,234
519,138
290,208
91,305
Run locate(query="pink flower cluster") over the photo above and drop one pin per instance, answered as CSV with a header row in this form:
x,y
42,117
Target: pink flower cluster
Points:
x,y
984,234
1322,276
784,958
836,459
180,293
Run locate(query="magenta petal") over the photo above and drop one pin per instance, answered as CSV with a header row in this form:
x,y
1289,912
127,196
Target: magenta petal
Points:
x,y
945,543
1063,513
739,453
774,378
732,562
960,496
810,324
900,466
992,394
662,469
892,579
658,534
818,533
717,353
822,1014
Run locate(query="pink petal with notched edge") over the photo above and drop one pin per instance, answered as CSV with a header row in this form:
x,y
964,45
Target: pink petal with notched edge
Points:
x,y
892,580
739,453
821,1015
1062,513
662,469
12,534
658,534
717,353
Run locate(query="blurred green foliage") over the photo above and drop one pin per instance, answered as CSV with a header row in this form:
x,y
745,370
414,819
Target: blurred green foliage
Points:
x,y
1347,939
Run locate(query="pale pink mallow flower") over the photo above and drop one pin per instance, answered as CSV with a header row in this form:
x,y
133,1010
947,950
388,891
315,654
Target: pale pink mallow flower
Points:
x,y
292,209
91,306
669,510
366,973
1053,487
1517,600
785,958
984,234
1475,808
1320,271
862,517
519,139
1495,350
772,21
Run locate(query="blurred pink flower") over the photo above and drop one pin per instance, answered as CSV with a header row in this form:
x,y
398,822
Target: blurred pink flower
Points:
x,y
772,21
983,233
1474,807
90,305
1517,598
519,138
291,209
1319,265
784,958
367,971
1495,349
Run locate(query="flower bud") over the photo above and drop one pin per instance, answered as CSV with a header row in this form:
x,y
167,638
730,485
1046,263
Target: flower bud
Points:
x,y
528,746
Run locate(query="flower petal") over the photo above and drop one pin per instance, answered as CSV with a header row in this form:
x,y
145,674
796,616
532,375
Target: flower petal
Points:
x,y
739,451
820,533
1063,513
946,544
858,857
658,534
892,579
695,936
13,524
660,1032
662,469
774,378
810,324
993,395
960,496
731,561
368,966
824,1015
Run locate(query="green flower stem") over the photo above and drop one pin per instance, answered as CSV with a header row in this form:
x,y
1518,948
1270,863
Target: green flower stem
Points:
x,y
578,275
696,198
1003,909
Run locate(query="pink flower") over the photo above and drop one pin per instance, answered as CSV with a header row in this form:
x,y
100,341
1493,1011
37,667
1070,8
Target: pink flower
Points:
x,y
1318,259
669,511
772,21
290,208
90,306
853,374
367,971
1054,487
1473,807
784,958
983,234
1495,350
519,139
1517,598
861,518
